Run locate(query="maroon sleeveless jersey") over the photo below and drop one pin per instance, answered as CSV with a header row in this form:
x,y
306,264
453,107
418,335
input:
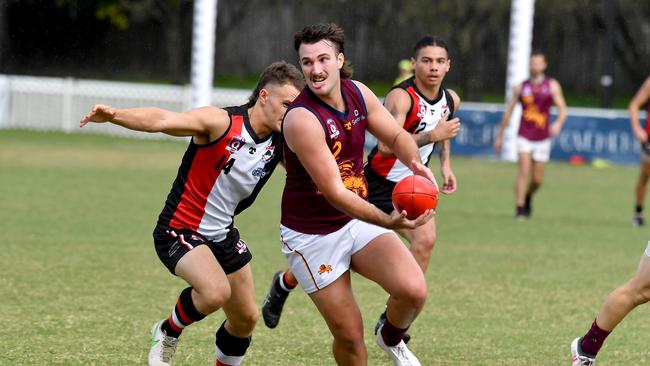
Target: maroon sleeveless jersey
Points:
x,y
304,209
536,101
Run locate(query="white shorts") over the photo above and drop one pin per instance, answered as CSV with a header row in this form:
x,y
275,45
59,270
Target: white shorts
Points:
x,y
318,260
539,150
647,250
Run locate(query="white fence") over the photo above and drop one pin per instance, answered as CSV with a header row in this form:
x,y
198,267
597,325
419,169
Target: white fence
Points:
x,y
59,103
45,103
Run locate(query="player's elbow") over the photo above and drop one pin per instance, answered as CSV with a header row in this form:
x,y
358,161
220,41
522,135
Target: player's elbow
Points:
x,y
632,107
153,127
384,150
402,140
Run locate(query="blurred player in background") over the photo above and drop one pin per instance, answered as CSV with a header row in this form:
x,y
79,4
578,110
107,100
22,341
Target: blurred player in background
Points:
x,y
405,69
327,226
641,98
423,107
231,155
536,95
617,305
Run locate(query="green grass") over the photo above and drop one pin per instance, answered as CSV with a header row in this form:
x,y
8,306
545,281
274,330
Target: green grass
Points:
x,y
80,283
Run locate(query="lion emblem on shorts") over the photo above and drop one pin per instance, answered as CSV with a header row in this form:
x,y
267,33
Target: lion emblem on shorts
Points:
x,y
324,268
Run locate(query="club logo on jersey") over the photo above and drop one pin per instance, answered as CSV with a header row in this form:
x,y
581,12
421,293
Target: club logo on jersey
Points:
x,y
356,113
324,268
268,154
236,144
259,173
241,247
423,109
252,150
347,126
331,127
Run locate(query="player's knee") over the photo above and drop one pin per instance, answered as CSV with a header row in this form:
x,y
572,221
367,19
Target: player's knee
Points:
x,y
352,346
215,297
642,295
350,339
245,320
425,242
419,295
414,293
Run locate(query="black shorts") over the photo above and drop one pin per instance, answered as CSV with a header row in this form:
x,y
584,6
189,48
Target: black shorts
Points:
x,y
380,191
172,244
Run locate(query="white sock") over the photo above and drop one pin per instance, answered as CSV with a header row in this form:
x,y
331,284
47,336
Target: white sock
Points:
x,y
284,285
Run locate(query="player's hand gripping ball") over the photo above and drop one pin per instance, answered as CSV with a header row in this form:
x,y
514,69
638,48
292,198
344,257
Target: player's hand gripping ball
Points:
x,y
415,194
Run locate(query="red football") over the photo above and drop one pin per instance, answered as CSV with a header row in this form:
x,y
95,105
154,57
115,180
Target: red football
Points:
x,y
415,194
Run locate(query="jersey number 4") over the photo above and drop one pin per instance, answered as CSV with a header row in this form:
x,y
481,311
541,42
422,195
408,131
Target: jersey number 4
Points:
x,y
225,168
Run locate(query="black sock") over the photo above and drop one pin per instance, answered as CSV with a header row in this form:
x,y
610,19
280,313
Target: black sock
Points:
x,y
638,209
278,286
529,197
184,314
520,210
230,349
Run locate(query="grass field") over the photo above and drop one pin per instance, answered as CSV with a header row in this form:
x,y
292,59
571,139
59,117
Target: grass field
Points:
x,y
80,283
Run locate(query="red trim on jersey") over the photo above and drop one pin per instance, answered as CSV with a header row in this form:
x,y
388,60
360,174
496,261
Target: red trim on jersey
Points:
x,y
381,164
412,119
201,178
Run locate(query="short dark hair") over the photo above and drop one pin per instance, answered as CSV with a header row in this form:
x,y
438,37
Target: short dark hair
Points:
x,y
538,52
429,41
280,73
316,32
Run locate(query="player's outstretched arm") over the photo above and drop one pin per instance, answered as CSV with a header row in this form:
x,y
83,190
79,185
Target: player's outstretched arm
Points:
x,y
305,137
197,122
382,125
640,98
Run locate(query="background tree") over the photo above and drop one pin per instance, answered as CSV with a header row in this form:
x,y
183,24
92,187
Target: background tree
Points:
x,y
167,14
151,39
